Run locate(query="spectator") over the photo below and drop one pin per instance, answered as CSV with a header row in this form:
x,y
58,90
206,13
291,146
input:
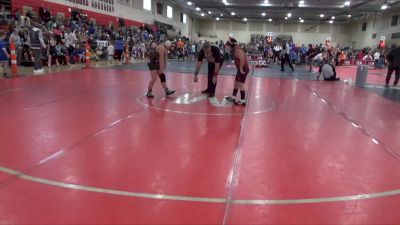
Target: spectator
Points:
x,y
14,37
4,56
119,48
36,42
111,52
70,42
376,59
328,71
310,56
52,52
367,58
394,65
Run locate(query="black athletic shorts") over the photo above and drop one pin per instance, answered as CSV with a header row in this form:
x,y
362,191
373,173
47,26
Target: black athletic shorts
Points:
x,y
153,66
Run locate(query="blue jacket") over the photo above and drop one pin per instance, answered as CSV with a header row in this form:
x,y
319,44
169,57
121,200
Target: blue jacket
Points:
x,y
119,45
3,56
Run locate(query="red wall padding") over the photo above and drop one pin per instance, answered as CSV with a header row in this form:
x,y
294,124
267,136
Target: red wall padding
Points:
x,y
55,8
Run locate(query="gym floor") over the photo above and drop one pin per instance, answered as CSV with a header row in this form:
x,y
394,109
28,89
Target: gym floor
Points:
x,y
87,147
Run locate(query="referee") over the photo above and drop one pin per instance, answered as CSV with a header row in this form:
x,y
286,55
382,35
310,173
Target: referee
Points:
x,y
215,60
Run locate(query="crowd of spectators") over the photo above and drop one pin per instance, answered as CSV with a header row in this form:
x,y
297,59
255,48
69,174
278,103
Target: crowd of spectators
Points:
x,y
49,39
62,41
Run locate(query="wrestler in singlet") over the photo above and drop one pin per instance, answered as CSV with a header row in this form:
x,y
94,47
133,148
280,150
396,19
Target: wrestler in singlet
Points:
x,y
241,77
243,69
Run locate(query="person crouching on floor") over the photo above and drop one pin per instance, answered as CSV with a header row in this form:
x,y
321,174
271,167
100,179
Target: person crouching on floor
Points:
x,y
328,71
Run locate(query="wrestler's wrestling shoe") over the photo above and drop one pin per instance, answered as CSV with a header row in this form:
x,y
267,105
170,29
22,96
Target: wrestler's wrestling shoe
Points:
x,y
231,99
169,92
205,92
149,94
241,102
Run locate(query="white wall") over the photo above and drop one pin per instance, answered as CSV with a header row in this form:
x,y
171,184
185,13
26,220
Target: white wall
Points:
x,y
379,24
339,33
134,11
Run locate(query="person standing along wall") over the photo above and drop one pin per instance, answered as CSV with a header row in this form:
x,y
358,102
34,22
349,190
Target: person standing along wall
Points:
x,y
37,43
14,37
394,65
119,48
4,56
70,41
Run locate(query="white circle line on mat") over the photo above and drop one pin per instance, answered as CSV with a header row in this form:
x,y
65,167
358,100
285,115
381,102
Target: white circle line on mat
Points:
x,y
199,199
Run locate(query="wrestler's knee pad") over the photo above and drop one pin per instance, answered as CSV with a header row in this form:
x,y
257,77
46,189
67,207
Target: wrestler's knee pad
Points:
x,y
162,78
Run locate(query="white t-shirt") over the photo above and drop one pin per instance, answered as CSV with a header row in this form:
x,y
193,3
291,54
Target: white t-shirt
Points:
x,y
287,49
327,71
319,57
377,55
111,50
367,57
70,40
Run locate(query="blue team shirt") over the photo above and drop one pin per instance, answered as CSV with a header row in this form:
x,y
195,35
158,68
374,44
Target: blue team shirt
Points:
x,y
119,45
3,56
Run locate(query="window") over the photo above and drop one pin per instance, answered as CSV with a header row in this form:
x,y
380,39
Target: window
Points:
x,y
364,27
373,36
169,11
395,20
396,35
159,8
183,18
147,5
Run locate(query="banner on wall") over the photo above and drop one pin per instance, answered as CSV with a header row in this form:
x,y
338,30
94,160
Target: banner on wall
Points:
x,y
102,44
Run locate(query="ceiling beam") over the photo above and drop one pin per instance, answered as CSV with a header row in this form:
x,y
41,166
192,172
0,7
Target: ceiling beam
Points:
x,y
263,6
229,16
394,3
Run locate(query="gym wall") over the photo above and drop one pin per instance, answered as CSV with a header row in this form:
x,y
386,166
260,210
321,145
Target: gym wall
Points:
x,y
300,32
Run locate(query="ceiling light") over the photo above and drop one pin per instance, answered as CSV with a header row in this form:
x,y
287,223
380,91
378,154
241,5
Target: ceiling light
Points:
x,y
197,9
286,18
384,6
349,15
330,21
289,15
299,18
301,2
209,12
322,15
301,21
232,13
270,20
244,19
222,15
224,1
217,18
333,17
263,14
189,3
347,3
202,14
